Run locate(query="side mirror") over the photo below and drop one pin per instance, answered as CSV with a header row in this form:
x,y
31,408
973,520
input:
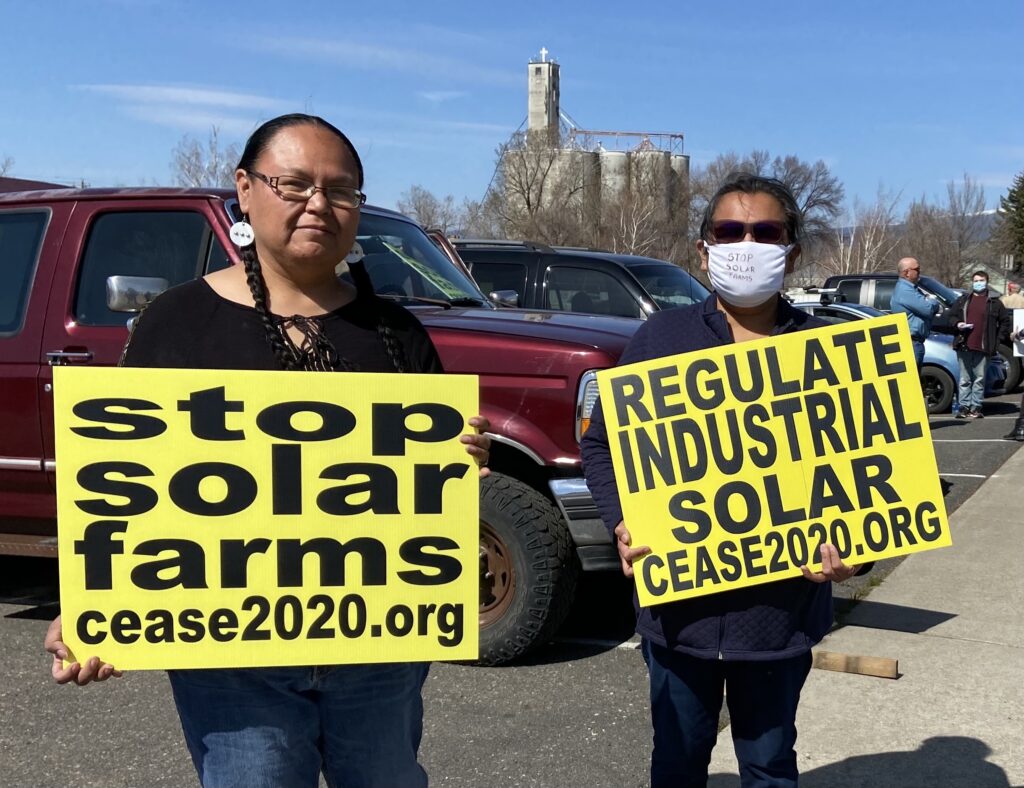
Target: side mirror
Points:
x,y
133,293
505,298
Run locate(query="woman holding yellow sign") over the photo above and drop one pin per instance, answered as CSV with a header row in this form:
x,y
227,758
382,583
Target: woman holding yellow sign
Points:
x,y
753,640
299,185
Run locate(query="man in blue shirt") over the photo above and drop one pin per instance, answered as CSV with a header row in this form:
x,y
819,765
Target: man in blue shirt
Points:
x,y
920,309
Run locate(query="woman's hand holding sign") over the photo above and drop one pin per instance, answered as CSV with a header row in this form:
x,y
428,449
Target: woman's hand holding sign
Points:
x,y
92,670
478,445
832,567
627,553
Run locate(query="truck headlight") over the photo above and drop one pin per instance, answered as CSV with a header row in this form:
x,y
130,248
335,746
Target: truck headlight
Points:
x,y
586,396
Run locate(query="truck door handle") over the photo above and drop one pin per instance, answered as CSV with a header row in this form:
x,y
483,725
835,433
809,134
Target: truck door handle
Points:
x,y
57,358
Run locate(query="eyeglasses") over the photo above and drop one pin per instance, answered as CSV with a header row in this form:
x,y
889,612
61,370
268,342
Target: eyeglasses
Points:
x,y
728,231
288,187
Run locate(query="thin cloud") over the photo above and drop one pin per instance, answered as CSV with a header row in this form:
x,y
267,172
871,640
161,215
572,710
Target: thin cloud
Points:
x,y
378,57
995,180
437,33
189,108
441,96
413,122
190,119
1009,151
458,125
190,96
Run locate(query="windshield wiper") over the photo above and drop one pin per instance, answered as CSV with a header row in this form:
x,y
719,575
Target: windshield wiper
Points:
x,y
418,299
467,301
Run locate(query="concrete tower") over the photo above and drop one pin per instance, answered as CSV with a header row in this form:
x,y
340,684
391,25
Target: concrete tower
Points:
x,y
542,117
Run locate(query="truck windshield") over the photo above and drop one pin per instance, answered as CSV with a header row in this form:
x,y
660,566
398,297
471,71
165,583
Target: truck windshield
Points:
x,y
669,286
946,295
404,264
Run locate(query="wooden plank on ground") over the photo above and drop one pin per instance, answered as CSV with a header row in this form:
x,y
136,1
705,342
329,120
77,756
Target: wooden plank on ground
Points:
x,y
883,667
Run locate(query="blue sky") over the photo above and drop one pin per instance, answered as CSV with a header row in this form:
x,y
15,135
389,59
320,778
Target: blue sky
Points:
x,y
904,93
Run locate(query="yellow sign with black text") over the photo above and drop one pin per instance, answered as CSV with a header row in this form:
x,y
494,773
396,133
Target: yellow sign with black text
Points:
x,y
211,518
736,463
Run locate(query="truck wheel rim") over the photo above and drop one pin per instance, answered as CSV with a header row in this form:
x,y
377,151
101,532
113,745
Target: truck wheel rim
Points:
x,y
498,591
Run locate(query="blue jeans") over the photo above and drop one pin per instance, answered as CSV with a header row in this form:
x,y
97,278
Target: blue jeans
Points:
x,y
686,699
918,351
280,727
973,364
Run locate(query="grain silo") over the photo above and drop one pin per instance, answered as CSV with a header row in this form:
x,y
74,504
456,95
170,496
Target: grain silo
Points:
x,y
651,179
598,174
614,175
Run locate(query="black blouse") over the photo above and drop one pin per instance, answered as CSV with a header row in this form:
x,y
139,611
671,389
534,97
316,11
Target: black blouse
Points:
x,y
192,327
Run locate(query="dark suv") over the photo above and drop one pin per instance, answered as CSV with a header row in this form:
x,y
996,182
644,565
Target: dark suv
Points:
x,y
536,276
876,290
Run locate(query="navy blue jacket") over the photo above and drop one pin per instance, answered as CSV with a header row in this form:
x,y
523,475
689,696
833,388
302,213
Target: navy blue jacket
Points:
x,y
767,621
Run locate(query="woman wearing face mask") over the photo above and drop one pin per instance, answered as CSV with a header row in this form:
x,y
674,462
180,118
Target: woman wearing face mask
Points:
x,y
755,641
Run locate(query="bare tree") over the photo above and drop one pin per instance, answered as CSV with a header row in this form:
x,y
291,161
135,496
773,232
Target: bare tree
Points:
x,y
481,218
540,191
948,239
867,243
650,217
928,236
634,226
704,182
965,203
546,191
429,210
5,165
818,192
204,163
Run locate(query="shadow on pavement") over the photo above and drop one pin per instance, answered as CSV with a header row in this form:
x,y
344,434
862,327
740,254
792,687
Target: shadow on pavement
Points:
x,y
31,582
897,618
946,761
941,425
1000,408
601,619
46,612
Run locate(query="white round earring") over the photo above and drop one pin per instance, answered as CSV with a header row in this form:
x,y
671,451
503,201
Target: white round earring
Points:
x,y
241,234
356,253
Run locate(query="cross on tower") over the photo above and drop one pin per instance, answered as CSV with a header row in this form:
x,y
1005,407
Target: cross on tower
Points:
x,y
543,55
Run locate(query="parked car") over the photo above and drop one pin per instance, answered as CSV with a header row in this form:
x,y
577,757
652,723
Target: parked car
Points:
x,y
939,372
876,290
536,276
79,263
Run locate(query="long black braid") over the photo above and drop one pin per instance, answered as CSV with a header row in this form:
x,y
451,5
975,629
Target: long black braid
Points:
x,y
392,346
317,351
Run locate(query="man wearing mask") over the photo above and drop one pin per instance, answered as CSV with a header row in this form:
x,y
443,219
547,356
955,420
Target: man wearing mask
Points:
x,y
755,642
919,308
982,322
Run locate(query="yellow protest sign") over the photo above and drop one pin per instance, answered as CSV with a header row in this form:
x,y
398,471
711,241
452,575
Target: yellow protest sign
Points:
x,y
209,518
734,464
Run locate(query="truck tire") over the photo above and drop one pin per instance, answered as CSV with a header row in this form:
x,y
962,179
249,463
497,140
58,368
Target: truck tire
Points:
x,y
531,566
938,388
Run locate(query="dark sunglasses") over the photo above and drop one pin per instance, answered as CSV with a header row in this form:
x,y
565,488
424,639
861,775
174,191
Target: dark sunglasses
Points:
x,y
728,231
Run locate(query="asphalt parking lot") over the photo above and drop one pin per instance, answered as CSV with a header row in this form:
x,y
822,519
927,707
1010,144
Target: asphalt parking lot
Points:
x,y
575,714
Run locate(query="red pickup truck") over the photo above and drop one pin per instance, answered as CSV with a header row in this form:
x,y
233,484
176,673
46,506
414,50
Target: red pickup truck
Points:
x,y
78,263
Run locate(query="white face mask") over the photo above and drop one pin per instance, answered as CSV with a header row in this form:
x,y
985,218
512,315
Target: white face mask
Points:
x,y
746,273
